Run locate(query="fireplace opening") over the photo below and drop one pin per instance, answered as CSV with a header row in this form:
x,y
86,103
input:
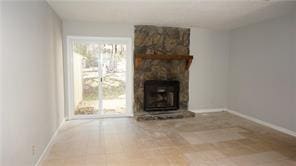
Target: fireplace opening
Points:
x,y
161,95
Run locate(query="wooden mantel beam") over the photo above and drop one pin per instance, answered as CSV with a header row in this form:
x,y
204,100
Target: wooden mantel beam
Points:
x,y
140,57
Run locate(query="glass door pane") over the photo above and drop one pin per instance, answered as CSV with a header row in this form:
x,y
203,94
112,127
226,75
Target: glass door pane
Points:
x,y
113,69
85,77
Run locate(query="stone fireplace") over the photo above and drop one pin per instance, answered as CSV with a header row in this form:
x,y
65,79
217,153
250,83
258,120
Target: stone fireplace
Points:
x,y
164,42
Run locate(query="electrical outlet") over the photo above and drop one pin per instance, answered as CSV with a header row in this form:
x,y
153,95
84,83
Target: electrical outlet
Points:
x,y
33,150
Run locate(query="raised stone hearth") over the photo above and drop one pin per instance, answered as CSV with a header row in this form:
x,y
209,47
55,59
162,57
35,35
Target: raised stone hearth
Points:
x,y
179,114
153,40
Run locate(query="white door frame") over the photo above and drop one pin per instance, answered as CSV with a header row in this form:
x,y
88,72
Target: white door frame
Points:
x,y
129,75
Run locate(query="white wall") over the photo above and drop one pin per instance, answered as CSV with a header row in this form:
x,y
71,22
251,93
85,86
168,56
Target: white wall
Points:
x,y
1,64
208,72
76,28
262,71
32,80
209,69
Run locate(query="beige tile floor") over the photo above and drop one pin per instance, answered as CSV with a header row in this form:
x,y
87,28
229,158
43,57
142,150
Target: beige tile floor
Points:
x,y
213,139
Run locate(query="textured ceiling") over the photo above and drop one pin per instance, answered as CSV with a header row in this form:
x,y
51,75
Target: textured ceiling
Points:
x,y
223,14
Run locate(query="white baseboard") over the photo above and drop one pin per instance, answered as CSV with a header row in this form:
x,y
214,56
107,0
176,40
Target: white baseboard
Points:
x,y
275,127
49,145
208,110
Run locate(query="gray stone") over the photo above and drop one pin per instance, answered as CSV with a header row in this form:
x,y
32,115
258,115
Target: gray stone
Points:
x,y
163,116
161,41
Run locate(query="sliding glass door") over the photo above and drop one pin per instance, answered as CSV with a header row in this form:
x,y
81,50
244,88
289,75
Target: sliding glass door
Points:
x,y
113,74
99,77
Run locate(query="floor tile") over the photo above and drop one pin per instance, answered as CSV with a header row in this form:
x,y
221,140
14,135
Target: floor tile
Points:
x,y
212,139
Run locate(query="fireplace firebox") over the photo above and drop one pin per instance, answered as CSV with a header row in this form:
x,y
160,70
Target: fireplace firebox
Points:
x,y
161,95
